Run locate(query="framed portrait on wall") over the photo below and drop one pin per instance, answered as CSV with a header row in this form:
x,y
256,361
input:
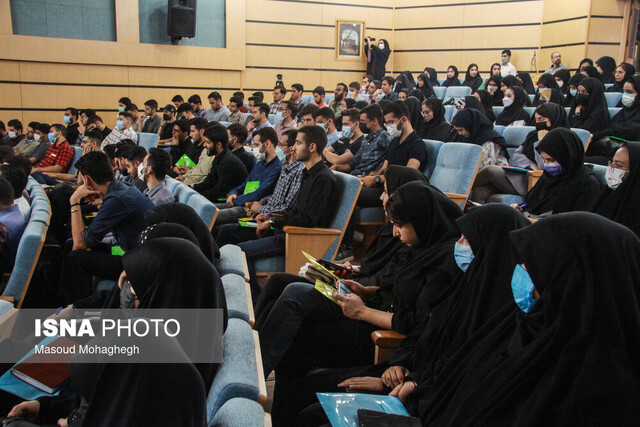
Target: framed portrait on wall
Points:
x,y
349,39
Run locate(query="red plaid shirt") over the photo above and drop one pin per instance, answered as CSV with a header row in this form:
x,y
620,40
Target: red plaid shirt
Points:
x,y
58,154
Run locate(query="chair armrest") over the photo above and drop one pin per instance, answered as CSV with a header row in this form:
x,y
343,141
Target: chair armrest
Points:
x,y
534,176
459,199
10,299
314,241
586,147
387,338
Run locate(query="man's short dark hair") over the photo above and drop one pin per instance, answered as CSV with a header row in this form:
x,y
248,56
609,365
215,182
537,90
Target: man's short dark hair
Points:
x,y
131,107
236,100
355,85
217,134
239,94
319,90
215,95
126,115
15,123
6,152
20,161
373,111
314,135
507,51
291,136
376,83
137,153
198,122
124,100
282,89
44,128
326,113
184,107
177,98
397,108
239,131
298,86
267,133
152,103
123,151
96,165
72,111
263,107
6,192
88,112
291,106
195,99
259,94
110,151
60,128
344,87
160,161
93,120
33,125
93,135
353,114
369,77
127,142
182,124
388,79
16,175
309,109
2,127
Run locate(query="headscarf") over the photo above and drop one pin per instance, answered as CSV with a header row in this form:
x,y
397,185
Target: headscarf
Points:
x,y
596,116
570,100
527,83
549,81
473,82
427,88
415,113
575,188
629,71
620,205
173,273
565,76
437,128
608,65
471,101
377,59
497,95
167,229
511,81
592,72
515,111
579,362
180,213
625,124
487,104
585,60
558,118
433,77
416,93
404,81
480,128
453,81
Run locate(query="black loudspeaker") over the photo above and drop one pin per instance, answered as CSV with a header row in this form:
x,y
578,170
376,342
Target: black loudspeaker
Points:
x,y
181,19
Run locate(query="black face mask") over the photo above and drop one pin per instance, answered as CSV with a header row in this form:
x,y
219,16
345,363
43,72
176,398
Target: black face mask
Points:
x,y
363,128
582,99
166,116
541,126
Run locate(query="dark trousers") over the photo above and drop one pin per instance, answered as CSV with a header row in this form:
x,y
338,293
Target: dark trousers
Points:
x,y
369,198
44,179
81,266
233,234
270,294
267,247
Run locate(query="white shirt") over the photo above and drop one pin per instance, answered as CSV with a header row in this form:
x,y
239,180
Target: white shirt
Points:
x,y
508,70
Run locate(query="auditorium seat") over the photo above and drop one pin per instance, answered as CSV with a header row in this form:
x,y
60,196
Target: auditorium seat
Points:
x,y
515,136
225,124
599,171
499,129
147,140
77,153
613,111
613,98
449,112
241,412
608,85
439,92
238,300
584,135
457,92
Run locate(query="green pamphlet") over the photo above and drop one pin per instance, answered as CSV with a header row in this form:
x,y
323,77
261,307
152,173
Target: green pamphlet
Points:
x,y
251,187
117,250
185,161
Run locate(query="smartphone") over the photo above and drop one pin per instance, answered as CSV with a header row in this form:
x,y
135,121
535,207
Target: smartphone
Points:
x,y
343,289
329,265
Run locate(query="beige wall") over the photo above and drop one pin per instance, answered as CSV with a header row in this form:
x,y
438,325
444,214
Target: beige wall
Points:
x,y
41,76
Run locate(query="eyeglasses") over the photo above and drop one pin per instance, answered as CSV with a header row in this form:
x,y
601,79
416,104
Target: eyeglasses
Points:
x,y
618,165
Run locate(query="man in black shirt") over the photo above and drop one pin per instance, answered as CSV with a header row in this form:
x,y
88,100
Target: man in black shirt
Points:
x,y
71,120
237,136
315,203
342,151
166,126
95,122
227,171
181,130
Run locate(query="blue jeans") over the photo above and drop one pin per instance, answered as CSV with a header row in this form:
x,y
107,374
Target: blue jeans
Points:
x,y
44,179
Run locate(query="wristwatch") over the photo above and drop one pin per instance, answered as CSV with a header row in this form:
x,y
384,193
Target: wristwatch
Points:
x,y
376,179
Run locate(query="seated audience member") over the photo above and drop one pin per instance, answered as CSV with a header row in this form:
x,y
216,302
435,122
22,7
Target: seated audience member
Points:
x,y
354,90
218,111
325,119
469,101
28,144
559,325
513,113
237,116
623,72
185,111
386,84
562,79
196,174
154,169
305,329
166,125
95,122
120,154
403,94
341,152
279,93
591,71
315,203
237,136
296,97
4,135
196,102
374,91
240,95
570,100
288,111
71,120
255,99
10,215
545,81
373,149
452,77
123,103
566,184
279,202
494,87
259,183
58,157
495,71
260,119
184,145
624,125
150,121
435,125
16,170
486,100
135,114
404,80
495,179
473,127
424,86
590,112
177,101
618,200
307,114
527,83
606,67
472,79
133,158
41,137
121,213
405,149
122,131
507,68
14,132
227,171
318,97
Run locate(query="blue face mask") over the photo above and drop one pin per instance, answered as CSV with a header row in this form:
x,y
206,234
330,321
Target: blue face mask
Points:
x,y
280,154
347,133
279,117
120,109
522,288
67,120
51,137
463,255
573,92
119,125
322,126
553,169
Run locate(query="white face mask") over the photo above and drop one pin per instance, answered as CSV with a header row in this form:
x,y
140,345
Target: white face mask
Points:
x,y
393,130
560,83
505,60
140,171
507,101
628,99
614,176
36,137
12,134
381,45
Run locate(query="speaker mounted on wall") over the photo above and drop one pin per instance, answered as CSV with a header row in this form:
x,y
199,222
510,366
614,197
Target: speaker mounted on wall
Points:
x,y
181,19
